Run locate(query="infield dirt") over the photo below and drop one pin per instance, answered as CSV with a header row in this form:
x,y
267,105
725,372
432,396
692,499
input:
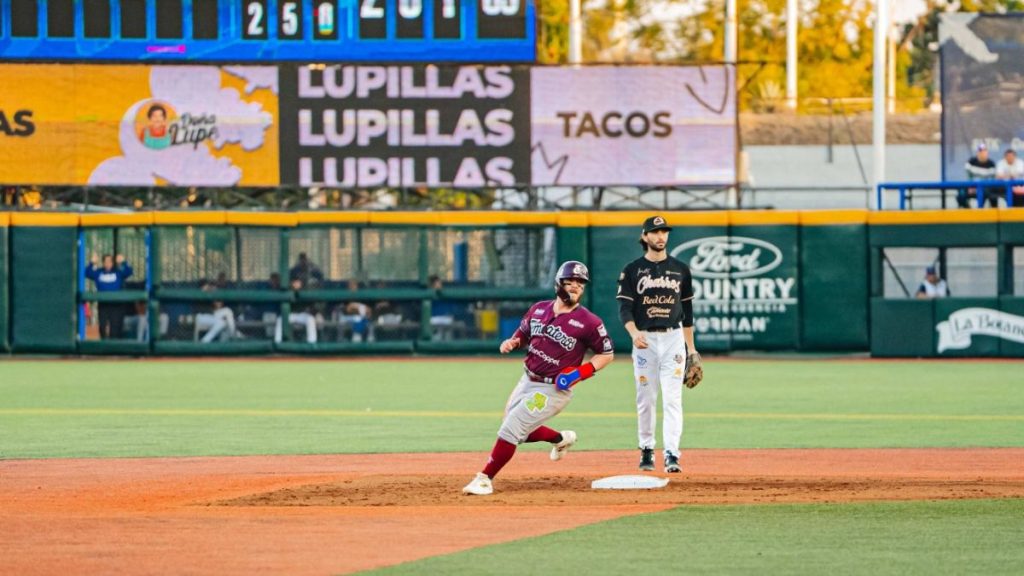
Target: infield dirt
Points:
x,y
339,514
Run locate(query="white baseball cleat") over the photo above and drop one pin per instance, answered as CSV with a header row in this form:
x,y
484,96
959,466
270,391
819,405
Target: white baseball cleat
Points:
x,y
568,439
479,486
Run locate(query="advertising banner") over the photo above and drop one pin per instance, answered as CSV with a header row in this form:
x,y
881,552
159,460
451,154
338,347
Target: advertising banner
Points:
x,y
642,125
138,125
982,63
745,287
405,126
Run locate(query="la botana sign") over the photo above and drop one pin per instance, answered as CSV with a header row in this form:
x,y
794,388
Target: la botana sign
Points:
x,y
740,284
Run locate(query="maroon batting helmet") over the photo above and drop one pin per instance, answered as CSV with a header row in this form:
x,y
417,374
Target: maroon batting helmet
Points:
x,y
570,270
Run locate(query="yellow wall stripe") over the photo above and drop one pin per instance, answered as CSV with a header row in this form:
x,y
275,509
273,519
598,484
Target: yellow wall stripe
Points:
x,y
832,217
574,219
355,217
763,217
497,218
513,218
281,219
192,218
44,219
126,219
933,217
1011,214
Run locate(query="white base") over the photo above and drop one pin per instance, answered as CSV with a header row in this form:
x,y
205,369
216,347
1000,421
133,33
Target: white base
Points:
x,y
634,482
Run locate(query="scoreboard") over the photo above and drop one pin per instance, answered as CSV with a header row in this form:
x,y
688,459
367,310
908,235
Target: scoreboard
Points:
x,y
268,30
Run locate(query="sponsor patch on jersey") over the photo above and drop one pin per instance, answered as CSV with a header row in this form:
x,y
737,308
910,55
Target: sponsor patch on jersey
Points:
x,y
538,312
642,380
576,323
678,358
602,331
607,345
679,372
641,362
536,403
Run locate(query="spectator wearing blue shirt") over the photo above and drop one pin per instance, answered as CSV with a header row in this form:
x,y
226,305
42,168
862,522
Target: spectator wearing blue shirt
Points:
x,y
110,278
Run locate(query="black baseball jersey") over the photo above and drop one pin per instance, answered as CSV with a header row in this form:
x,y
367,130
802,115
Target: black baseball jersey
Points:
x,y
657,291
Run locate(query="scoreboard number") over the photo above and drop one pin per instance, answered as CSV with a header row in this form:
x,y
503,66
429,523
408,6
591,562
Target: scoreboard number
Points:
x,y
501,19
373,19
447,19
254,25
289,20
325,18
410,19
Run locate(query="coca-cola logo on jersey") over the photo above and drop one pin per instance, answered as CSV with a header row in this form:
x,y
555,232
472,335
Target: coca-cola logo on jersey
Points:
x,y
728,256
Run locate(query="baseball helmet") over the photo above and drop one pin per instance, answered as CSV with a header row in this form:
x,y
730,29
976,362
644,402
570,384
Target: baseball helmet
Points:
x,y
571,269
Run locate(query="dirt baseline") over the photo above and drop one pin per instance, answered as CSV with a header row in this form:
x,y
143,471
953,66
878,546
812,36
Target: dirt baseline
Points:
x,y
328,514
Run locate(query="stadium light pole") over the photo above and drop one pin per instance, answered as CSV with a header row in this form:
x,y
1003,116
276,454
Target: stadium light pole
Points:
x,y
791,37
881,45
575,32
730,31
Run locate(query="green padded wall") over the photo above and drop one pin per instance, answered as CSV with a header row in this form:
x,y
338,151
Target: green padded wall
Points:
x,y
834,287
902,328
43,267
1009,347
4,303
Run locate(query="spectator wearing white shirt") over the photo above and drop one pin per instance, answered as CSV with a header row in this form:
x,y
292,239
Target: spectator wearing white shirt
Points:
x,y
933,286
1012,168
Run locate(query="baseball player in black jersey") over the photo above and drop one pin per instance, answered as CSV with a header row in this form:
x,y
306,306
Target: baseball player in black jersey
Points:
x,y
656,306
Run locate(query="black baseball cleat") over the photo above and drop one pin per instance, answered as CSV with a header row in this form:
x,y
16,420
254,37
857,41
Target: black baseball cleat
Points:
x,y
672,463
647,459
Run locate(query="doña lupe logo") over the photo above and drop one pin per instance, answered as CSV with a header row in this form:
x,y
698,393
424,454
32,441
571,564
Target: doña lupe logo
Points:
x,y
159,126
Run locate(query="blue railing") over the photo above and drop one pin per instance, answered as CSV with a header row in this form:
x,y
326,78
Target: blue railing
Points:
x,y
906,189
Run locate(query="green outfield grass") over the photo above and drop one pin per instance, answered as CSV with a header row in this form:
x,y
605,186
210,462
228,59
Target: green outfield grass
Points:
x,y
175,408
950,537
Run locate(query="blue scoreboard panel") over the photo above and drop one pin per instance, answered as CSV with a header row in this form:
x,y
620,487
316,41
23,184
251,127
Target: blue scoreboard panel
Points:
x,y
268,30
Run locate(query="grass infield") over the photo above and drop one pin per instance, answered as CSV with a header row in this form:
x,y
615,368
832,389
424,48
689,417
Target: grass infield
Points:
x,y
235,407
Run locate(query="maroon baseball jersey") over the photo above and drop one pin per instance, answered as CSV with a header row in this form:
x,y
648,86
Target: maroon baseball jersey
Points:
x,y
556,342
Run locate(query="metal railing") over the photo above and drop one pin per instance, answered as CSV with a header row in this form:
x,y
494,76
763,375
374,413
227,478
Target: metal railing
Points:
x,y
964,188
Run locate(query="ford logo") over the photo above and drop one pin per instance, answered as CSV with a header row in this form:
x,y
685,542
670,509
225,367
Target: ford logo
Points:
x,y
728,256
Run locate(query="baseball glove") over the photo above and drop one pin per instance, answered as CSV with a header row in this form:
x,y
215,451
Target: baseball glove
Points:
x,y
694,370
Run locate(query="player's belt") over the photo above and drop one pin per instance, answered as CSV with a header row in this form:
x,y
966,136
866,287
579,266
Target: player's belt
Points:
x,y
538,377
662,329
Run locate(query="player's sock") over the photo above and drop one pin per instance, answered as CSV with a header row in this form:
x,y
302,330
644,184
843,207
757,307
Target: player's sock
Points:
x,y
545,434
500,455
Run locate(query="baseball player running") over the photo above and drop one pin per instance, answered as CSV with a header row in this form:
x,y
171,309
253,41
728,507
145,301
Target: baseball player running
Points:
x,y
557,334
656,297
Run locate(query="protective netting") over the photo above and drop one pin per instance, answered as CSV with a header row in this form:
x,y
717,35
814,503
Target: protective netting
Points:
x,y
191,256
499,257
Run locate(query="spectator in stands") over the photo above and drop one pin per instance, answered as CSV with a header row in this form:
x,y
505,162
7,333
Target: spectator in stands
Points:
x,y
302,314
1012,168
110,278
933,286
219,322
306,272
980,167
356,315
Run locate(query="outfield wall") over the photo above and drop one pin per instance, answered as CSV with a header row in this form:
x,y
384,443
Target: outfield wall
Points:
x,y
774,280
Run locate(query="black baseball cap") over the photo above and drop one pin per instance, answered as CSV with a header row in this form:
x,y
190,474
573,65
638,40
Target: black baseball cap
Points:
x,y
655,223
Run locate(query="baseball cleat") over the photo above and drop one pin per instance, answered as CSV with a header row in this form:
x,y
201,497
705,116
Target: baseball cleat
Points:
x,y
479,486
568,439
647,459
672,463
